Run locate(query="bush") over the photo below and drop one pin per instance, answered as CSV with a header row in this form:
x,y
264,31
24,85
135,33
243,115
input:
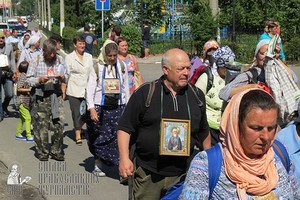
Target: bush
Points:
x,y
69,32
55,29
132,34
291,49
134,38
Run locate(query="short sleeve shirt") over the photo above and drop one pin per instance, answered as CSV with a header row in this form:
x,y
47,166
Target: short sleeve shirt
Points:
x,y
144,125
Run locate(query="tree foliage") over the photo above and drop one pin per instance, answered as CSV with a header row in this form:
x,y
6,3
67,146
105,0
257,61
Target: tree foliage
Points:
x,y
203,25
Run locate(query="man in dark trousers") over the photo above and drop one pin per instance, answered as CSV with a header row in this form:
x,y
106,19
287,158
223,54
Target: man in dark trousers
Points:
x,y
146,38
8,75
90,39
152,171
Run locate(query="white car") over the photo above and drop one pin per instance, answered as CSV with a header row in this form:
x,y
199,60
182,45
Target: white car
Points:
x,y
25,23
3,26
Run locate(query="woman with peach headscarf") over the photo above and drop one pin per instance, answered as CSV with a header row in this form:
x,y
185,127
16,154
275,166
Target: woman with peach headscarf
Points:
x,y
250,168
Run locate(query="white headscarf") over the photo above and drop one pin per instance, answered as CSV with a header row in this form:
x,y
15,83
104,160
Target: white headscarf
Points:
x,y
33,39
260,44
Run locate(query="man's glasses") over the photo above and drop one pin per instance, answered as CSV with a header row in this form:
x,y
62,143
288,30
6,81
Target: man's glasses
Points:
x,y
2,38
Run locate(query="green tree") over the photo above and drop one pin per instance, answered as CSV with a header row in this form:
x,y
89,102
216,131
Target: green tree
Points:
x,y
150,11
25,7
202,23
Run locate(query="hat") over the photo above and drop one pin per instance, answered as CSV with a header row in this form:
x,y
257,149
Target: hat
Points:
x,y
223,55
2,34
210,44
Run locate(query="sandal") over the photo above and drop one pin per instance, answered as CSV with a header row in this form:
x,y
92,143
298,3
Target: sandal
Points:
x,y
79,142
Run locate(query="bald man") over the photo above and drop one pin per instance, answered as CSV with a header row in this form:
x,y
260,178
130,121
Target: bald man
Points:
x,y
154,167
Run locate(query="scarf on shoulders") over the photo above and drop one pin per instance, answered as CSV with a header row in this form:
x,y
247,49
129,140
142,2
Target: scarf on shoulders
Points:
x,y
239,168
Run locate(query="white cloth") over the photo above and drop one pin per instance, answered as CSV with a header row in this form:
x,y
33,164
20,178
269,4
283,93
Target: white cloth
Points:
x,y
32,40
283,86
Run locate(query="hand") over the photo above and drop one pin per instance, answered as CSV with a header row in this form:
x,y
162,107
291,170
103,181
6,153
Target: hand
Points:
x,y
125,168
94,115
43,79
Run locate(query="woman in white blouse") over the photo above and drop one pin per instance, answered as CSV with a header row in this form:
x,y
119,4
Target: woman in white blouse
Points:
x,y
79,64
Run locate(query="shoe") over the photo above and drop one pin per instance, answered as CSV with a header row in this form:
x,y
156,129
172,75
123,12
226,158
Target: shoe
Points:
x,y
42,157
79,142
6,114
20,137
57,157
30,139
98,173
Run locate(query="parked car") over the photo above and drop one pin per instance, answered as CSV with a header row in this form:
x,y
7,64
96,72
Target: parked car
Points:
x,y
25,23
21,30
3,26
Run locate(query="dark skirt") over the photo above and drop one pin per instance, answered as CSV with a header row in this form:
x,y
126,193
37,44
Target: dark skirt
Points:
x,y
102,135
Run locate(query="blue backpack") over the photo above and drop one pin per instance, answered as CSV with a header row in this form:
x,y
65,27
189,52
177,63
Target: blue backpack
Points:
x,y
215,158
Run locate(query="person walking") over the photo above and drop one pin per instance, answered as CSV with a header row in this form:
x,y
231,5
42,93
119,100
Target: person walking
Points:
x,y
8,75
134,74
78,64
107,94
249,168
146,38
140,128
90,39
47,110
23,104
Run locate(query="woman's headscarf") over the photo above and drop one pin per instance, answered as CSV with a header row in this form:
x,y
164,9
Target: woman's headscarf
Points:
x,y
102,57
32,40
239,168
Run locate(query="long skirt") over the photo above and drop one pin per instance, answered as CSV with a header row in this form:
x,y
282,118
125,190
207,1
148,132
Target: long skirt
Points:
x,y
102,135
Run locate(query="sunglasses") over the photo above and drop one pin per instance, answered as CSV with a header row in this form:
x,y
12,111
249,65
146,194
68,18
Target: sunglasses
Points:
x,y
2,37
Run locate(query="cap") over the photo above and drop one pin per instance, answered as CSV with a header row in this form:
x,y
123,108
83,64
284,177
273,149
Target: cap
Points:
x,y
210,44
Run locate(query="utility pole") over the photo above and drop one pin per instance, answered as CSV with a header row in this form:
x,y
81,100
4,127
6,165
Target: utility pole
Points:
x,y
45,14
42,17
62,16
214,6
39,9
49,15
3,13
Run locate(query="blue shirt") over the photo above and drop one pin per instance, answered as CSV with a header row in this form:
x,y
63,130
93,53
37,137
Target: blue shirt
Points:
x,y
289,137
265,35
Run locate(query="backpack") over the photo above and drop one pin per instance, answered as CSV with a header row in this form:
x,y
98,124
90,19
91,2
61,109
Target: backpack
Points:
x,y
215,159
195,63
199,71
152,88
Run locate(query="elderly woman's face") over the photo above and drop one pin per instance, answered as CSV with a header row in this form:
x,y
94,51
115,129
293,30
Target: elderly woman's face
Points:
x,y
258,131
112,57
